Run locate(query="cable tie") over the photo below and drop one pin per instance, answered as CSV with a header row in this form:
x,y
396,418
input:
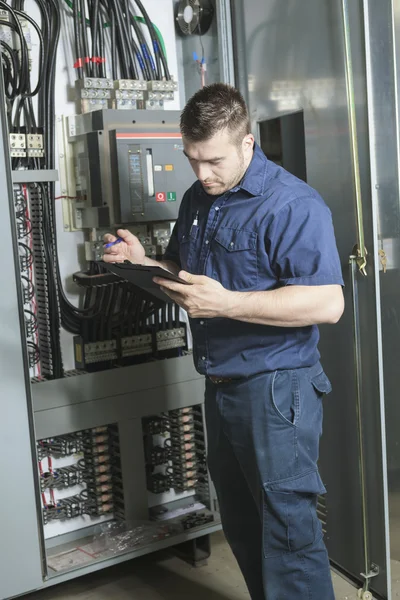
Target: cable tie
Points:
x,y
81,61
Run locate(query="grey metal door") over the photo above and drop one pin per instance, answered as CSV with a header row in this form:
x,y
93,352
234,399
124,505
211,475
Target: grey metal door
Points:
x,y
295,62
20,553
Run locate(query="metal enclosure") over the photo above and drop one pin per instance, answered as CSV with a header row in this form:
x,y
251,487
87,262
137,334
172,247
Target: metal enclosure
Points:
x,y
129,166
383,51
18,526
290,57
77,401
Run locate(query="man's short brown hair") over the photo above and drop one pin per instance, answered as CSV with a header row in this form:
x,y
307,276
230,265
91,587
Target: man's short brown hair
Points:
x,y
212,109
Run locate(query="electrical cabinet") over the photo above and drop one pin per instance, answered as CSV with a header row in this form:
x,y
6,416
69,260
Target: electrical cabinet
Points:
x,y
129,167
105,433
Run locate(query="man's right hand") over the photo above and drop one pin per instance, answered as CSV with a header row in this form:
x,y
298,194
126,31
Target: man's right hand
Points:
x,y
130,249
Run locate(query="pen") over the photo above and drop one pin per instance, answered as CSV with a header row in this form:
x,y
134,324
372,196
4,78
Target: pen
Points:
x,y
117,241
195,222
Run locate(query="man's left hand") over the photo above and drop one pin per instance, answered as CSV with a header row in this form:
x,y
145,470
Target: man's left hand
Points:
x,y
204,298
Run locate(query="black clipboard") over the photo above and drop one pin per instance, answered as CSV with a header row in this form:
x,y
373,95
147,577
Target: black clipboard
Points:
x,y
142,277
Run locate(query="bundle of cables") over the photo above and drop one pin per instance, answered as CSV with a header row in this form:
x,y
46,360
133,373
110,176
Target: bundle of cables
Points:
x,y
131,56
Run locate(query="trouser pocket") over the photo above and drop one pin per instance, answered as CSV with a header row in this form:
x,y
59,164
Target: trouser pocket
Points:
x,y
290,521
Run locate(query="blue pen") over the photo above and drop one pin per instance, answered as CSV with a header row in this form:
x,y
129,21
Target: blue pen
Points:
x,y
117,241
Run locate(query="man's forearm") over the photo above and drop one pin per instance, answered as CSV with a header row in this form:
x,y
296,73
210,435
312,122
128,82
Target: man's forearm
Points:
x,y
168,265
291,306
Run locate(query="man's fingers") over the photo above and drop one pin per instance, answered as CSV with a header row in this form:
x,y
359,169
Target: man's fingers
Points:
x,y
114,250
177,298
180,288
109,238
126,235
111,258
190,278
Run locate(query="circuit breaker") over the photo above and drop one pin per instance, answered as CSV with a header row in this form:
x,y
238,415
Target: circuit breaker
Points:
x,y
129,167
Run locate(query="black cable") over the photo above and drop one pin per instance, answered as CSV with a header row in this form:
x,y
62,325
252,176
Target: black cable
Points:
x,y
87,69
21,69
158,54
77,37
94,21
9,78
41,46
114,49
102,48
177,316
124,46
143,57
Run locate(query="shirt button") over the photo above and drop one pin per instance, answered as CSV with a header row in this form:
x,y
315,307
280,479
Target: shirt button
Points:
x,y
203,358
217,208
201,322
207,241
231,244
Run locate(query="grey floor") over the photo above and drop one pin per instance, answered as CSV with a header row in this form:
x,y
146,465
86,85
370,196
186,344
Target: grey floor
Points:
x,y
162,576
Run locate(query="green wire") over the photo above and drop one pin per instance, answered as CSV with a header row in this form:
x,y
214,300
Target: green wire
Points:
x,y
158,32
140,19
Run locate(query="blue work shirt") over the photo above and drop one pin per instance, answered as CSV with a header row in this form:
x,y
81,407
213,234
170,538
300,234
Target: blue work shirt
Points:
x,y
269,231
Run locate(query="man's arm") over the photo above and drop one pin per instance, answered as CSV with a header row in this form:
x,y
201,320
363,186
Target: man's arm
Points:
x,y
291,306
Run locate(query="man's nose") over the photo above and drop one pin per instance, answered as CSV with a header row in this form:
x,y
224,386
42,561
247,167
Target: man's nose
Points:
x,y
203,172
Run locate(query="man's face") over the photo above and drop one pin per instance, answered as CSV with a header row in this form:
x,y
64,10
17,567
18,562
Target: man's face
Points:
x,y
219,163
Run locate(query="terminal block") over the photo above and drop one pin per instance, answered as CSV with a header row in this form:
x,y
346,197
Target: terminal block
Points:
x,y
93,93
162,86
18,145
129,94
35,145
130,84
135,345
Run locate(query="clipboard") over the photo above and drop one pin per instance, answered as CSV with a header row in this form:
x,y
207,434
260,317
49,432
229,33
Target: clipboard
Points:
x,y
142,277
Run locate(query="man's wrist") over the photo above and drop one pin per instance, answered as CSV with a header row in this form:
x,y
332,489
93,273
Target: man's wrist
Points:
x,y
231,304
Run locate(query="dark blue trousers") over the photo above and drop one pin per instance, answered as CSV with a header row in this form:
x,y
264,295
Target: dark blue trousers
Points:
x,y
263,441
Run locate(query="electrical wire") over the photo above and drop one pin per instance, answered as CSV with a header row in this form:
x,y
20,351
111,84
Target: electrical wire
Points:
x,y
150,68
158,50
96,35
85,58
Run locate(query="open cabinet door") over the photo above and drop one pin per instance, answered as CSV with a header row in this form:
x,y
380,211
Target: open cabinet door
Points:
x,y
21,552
309,97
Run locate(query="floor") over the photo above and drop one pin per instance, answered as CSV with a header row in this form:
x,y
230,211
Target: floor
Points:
x,y
162,576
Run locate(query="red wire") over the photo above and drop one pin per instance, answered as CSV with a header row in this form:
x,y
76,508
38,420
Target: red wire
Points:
x,y
44,500
50,460
40,467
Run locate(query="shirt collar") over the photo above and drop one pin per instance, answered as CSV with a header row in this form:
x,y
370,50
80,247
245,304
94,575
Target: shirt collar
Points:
x,y
256,175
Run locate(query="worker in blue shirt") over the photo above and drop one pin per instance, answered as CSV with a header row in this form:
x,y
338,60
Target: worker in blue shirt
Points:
x,y
257,246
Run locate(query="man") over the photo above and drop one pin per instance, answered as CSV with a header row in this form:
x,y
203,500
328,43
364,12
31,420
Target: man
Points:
x,y
258,247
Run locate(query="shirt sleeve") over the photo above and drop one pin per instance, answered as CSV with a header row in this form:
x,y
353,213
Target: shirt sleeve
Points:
x,y
301,244
172,250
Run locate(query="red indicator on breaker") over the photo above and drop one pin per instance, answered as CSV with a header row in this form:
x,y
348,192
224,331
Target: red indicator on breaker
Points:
x,y
161,197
